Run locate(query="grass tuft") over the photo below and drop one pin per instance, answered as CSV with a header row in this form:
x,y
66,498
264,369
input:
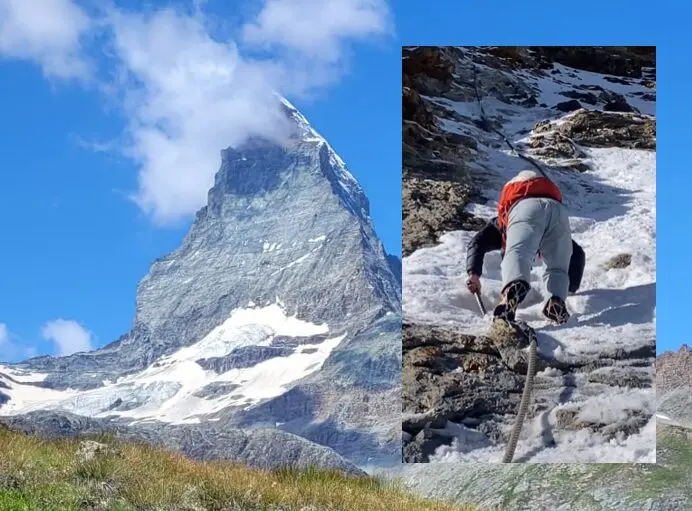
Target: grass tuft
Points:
x,y
74,474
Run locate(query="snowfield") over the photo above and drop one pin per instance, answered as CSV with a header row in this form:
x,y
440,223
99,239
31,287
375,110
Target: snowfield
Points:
x,y
169,389
613,212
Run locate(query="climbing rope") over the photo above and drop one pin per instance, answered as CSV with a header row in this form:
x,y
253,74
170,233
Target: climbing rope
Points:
x,y
488,126
524,404
533,344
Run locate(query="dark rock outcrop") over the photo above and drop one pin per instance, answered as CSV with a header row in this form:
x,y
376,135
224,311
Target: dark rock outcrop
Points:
x,y
450,376
622,61
619,261
592,128
429,67
435,178
247,356
430,208
568,106
585,97
619,61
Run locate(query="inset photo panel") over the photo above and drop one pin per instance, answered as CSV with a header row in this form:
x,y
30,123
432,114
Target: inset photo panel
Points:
x,y
529,254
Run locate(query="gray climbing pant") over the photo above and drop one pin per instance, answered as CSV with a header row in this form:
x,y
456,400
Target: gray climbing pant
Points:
x,y
538,224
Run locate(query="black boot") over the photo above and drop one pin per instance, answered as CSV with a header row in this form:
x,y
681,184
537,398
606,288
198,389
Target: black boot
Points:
x,y
555,310
512,295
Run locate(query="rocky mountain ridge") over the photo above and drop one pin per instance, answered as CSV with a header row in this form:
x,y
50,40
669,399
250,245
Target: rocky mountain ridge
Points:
x,y
674,386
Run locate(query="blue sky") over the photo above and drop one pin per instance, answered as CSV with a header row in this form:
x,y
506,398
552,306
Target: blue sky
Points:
x,y
84,94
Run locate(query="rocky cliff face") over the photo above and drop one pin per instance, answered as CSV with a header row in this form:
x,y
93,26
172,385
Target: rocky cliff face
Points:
x,y
674,370
279,309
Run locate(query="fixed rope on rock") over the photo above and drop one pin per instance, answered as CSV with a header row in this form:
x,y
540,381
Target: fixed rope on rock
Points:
x,y
524,404
526,394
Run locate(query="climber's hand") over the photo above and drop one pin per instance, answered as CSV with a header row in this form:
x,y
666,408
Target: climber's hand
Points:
x,y
473,284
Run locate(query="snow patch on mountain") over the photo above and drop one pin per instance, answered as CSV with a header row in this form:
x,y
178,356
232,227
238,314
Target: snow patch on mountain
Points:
x,y
169,389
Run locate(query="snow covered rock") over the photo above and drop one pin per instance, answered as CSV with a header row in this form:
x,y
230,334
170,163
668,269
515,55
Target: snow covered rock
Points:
x,y
603,129
452,377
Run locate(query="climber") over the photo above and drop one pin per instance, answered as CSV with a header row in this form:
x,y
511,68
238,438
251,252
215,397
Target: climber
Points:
x,y
531,221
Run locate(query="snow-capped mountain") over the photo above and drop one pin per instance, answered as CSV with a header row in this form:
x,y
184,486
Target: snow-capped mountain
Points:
x,y
280,309
594,133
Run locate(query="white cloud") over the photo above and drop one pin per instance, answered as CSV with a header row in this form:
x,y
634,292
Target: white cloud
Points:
x,y
317,28
4,334
188,95
68,336
47,32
